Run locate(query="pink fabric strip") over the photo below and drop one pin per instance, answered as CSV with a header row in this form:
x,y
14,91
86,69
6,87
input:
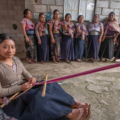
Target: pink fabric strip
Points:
x,y
80,74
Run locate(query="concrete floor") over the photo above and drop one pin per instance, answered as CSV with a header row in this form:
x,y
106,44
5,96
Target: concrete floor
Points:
x,y
101,90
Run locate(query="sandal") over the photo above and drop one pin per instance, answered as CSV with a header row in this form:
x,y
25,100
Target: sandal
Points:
x,y
82,111
79,60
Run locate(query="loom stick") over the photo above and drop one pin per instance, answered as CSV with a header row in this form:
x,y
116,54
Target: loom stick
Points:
x,y
44,87
10,99
24,91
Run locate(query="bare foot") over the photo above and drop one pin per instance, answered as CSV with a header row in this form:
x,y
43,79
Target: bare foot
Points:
x,y
42,62
31,62
80,105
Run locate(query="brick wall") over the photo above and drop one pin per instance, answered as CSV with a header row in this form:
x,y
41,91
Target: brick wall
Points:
x,y
11,12
104,7
44,6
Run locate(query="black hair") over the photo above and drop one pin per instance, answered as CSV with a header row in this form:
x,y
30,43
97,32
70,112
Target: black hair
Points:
x,y
79,17
111,13
55,11
41,14
25,12
67,15
5,36
97,15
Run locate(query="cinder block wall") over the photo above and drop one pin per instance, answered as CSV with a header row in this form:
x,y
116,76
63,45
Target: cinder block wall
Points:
x,y
44,6
11,12
104,7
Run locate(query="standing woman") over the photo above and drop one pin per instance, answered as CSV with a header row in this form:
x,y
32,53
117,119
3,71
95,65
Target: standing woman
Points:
x,y
112,29
28,31
94,39
67,42
43,40
54,29
80,38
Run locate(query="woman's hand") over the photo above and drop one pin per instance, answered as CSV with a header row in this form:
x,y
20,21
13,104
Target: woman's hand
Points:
x,y
52,40
87,39
27,39
26,86
114,40
32,80
39,42
99,40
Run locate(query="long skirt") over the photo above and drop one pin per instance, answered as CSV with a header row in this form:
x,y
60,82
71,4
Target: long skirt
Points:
x,y
43,49
93,47
67,48
117,51
107,48
79,47
31,48
32,106
56,47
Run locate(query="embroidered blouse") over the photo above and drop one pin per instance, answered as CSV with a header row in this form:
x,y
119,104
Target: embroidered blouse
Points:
x,y
56,24
82,27
69,25
29,24
95,26
40,27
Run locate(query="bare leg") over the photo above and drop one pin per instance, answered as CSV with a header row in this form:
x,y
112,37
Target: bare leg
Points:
x,y
54,60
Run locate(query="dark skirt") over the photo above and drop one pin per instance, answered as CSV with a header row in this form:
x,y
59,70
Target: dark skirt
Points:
x,y
43,49
107,48
56,47
93,47
79,47
31,48
117,51
67,48
31,106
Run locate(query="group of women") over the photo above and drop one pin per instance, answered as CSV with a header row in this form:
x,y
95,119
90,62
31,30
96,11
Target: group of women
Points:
x,y
57,104
64,40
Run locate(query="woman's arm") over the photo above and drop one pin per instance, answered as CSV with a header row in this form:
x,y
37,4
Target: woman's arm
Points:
x,y
4,92
65,27
37,32
101,34
24,32
115,38
51,33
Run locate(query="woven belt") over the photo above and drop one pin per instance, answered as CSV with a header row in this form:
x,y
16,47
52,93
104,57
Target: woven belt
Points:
x,y
56,32
94,33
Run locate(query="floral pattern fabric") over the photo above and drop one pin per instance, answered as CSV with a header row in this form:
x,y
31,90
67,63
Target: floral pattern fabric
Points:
x,y
95,26
31,49
56,47
3,116
42,26
56,24
29,24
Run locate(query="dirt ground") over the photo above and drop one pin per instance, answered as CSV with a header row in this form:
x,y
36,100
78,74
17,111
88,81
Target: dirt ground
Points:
x,y
101,89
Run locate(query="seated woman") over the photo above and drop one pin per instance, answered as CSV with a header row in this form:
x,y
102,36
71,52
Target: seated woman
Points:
x,y
31,106
112,30
80,38
43,40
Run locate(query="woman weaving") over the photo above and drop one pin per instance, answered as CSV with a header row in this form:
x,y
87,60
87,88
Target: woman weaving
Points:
x,y
31,106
